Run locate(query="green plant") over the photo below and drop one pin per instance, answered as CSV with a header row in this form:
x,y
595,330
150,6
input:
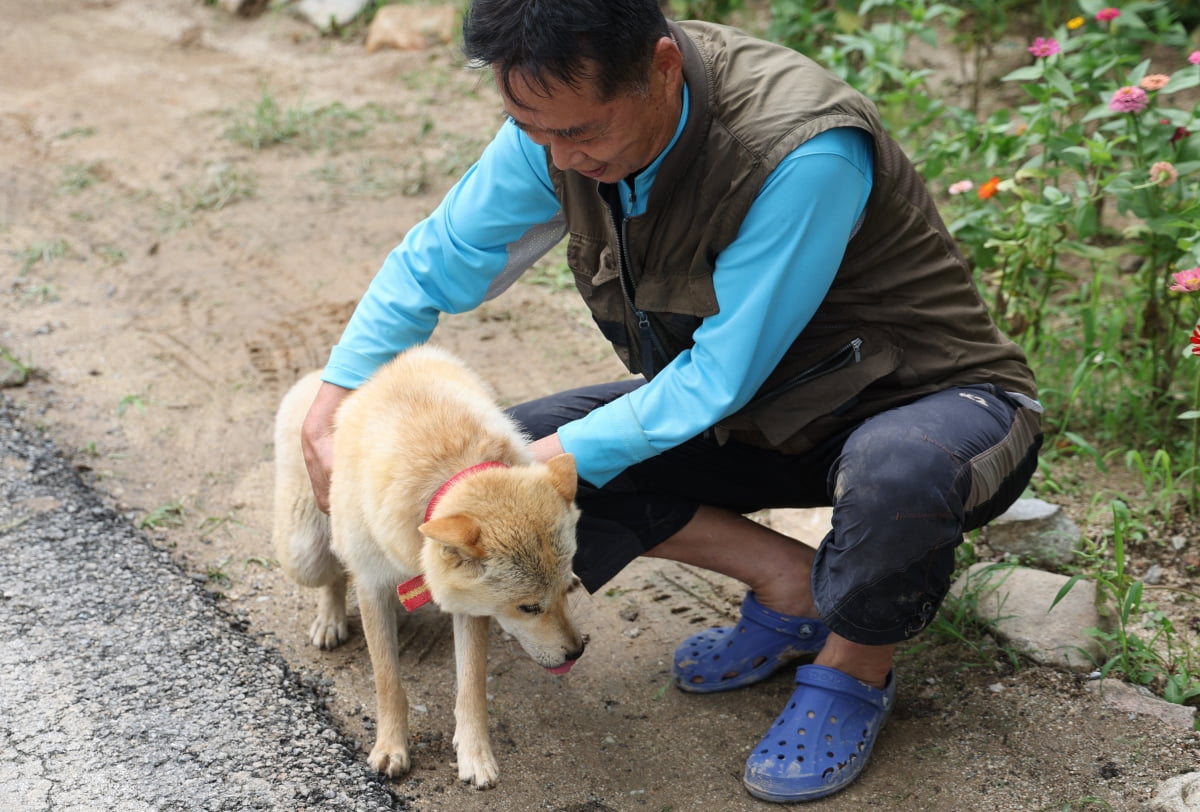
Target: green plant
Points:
x,y
170,514
14,371
268,123
1161,660
77,177
136,401
43,252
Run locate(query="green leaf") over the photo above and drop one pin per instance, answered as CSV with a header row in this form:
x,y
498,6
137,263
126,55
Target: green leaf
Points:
x,y
1025,74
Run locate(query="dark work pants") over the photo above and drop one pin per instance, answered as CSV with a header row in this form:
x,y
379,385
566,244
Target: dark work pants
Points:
x,y
904,486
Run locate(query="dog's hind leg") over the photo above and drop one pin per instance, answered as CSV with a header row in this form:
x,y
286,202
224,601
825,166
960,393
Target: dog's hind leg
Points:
x,y
390,753
476,762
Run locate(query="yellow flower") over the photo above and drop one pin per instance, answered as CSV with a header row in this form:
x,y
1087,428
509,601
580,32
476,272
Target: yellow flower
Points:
x,y
1075,22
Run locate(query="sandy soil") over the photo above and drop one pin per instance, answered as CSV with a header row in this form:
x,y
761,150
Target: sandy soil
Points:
x,y
165,283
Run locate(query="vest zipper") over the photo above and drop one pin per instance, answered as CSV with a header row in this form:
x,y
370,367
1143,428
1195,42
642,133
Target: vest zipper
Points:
x,y
849,353
651,347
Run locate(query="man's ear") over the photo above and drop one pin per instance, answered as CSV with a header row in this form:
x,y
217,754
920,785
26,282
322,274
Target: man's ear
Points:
x,y
668,61
562,475
460,533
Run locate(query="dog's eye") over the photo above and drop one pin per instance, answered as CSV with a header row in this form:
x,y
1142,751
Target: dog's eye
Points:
x,y
530,608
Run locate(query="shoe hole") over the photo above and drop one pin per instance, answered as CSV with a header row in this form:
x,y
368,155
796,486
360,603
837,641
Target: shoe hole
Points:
x,y
833,720
828,772
759,661
828,739
697,680
729,675
811,715
802,731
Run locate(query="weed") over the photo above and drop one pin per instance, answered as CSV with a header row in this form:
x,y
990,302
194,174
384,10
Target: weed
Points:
x,y
1161,660
169,515
77,177
136,401
329,126
44,253
14,371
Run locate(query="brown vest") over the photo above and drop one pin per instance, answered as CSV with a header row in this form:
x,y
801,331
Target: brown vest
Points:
x,y
903,317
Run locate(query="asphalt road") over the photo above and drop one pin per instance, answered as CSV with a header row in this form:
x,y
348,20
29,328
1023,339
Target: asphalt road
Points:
x,y
123,686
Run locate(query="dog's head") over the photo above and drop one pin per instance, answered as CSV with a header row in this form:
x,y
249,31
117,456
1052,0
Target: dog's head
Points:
x,y
500,544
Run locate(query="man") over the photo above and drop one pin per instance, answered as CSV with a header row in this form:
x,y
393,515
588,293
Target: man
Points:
x,y
752,243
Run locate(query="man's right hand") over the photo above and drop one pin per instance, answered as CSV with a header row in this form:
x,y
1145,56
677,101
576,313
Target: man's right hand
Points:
x,y
316,440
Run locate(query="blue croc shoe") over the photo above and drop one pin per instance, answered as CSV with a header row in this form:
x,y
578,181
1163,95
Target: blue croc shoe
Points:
x,y
821,741
760,644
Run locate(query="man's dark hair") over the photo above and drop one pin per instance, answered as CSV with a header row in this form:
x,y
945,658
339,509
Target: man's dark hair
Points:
x,y
566,41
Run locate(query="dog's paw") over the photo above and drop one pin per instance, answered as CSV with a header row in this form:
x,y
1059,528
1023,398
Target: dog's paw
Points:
x,y
477,766
391,760
327,633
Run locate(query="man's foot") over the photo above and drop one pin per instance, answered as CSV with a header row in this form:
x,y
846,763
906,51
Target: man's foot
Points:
x,y
762,642
821,741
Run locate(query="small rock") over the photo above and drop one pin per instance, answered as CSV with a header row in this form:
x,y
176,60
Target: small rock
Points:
x,y
1178,794
1127,698
1035,531
245,8
327,15
1154,575
411,28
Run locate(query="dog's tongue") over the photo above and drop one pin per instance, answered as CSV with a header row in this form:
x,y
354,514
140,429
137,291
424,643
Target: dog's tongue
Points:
x,y
561,669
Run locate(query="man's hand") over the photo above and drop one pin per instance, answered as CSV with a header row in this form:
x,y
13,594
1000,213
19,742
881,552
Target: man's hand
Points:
x,y
316,439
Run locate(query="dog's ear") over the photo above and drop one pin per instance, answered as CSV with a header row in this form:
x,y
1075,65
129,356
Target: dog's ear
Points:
x,y
562,475
459,532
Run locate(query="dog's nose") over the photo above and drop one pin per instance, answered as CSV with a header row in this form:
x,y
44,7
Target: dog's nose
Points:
x,y
577,653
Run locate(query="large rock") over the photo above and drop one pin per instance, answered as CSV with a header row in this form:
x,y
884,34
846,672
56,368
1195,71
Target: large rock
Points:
x,y
1036,532
1017,602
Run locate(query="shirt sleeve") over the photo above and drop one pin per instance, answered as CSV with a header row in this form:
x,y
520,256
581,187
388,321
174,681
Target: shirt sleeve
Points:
x,y
493,223
788,250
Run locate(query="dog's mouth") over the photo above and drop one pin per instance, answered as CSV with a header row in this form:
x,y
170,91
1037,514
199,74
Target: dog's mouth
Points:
x,y
559,670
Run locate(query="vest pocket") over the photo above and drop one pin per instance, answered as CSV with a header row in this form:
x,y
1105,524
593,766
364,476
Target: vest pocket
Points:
x,y
827,387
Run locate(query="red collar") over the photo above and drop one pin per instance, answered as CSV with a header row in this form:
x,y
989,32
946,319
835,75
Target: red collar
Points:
x,y
454,480
414,593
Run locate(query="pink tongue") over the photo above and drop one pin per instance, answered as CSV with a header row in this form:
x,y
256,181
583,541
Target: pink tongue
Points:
x,y
561,669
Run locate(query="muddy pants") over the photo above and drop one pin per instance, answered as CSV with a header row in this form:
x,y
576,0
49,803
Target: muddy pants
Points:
x,y
904,486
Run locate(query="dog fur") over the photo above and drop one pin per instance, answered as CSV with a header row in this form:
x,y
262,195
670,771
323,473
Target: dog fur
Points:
x,y
499,542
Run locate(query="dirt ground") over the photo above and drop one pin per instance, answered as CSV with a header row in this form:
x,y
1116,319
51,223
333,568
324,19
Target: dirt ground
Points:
x,y
164,283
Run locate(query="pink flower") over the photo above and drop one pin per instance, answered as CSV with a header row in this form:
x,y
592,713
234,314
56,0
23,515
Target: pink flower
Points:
x,y
1128,99
1186,281
961,186
1194,57
1163,173
1106,14
1154,81
1043,47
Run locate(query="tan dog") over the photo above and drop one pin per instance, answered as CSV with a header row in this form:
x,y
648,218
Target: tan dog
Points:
x,y
433,492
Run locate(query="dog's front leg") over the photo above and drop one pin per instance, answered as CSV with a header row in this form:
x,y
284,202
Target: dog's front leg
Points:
x,y
390,753
476,763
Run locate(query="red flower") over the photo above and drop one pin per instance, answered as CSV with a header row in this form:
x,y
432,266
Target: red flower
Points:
x,y
1195,339
988,189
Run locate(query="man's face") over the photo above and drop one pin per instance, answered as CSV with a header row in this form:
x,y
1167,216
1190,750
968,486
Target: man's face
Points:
x,y
602,140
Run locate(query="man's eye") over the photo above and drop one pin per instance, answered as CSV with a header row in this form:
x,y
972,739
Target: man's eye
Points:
x,y
530,608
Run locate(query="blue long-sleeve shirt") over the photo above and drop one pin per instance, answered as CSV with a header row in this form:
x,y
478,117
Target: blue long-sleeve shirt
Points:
x,y
503,214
